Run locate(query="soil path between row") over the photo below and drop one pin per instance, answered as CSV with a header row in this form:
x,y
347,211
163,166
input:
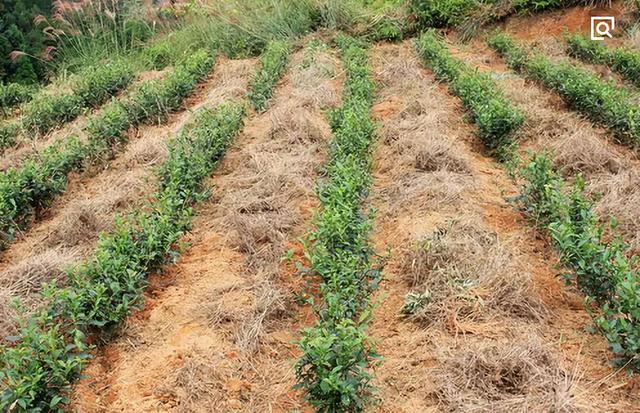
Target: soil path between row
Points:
x,y
67,231
217,329
433,180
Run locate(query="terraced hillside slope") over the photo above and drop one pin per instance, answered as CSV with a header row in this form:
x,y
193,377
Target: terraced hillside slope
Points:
x,y
331,222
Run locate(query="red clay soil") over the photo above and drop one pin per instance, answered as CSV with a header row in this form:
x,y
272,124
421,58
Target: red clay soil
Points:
x,y
217,329
417,359
68,230
555,23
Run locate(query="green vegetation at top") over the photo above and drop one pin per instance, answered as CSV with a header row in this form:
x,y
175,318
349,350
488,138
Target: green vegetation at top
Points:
x,y
40,37
273,63
94,85
14,94
44,37
601,101
602,270
495,116
623,60
19,32
336,350
470,15
31,186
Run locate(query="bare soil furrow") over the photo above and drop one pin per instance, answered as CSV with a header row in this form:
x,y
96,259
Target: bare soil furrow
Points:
x,y
217,329
68,230
612,171
489,324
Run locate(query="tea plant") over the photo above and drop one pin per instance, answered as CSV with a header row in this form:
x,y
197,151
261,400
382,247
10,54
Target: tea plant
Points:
x,y
602,270
601,101
14,94
8,133
38,370
273,62
496,118
25,189
94,87
336,350
622,60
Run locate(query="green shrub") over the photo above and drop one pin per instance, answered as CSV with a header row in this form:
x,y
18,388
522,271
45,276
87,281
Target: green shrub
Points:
x,y
496,118
624,61
273,63
151,100
111,124
441,13
38,369
93,87
8,132
336,350
45,112
31,186
602,270
581,47
14,94
386,28
526,6
601,101
469,16
160,54
99,83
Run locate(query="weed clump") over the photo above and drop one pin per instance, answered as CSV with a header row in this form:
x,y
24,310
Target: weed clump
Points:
x,y
462,271
505,377
14,94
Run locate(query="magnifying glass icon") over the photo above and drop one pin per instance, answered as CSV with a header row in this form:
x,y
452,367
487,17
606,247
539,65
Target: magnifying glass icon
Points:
x,y
602,26
603,29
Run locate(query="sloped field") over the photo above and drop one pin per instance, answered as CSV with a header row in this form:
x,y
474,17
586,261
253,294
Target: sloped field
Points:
x,y
334,225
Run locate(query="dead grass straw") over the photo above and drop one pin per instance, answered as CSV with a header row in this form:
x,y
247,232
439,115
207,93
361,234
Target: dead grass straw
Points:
x,y
465,271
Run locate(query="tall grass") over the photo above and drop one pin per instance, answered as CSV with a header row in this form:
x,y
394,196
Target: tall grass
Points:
x,y
91,31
